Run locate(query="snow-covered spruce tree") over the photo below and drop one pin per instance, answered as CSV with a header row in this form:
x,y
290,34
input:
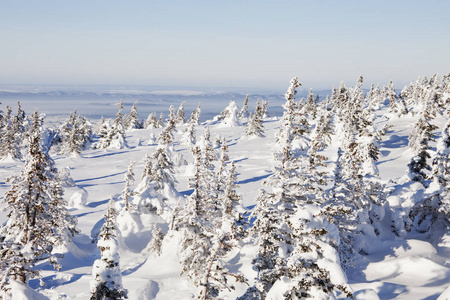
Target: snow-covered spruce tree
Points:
x,y
181,116
310,107
19,121
368,147
38,220
2,119
172,119
261,108
151,121
131,121
343,214
320,138
339,99
397,104
243,114
103,134
353,202
113,136
353,110
117,133
293,123
75,134
10,139
374,97
163,170
166,135
221,174
419,140
107,283
254,126
127,192
208,156
290,247
289,111
352,166
195,116
230,200
155,244
441,161
189,138
204,246
148,197
147,171
435,206
161,120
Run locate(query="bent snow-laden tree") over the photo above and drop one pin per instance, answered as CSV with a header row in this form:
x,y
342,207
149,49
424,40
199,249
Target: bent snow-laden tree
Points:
x,y
38,220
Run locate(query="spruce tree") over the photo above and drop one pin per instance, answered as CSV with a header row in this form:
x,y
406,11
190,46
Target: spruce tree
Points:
x,y
162,169
289,246
127,192
113,136
243,114
310,107
151,122
419,140
205,242
76,134
435,206
107,283
189,138
10,139
254,126
181,117
38,220
131,121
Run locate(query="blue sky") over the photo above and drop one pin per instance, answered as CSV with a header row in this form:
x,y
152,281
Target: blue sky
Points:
x,y
229,43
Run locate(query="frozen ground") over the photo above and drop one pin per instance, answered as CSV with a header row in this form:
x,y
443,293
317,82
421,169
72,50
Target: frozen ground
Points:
x,y
414,267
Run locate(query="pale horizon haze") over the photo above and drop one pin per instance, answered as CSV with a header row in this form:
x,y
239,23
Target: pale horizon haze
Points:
x,y
255,44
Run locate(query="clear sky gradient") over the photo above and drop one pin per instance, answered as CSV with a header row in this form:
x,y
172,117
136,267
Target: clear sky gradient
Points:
x,y
222,43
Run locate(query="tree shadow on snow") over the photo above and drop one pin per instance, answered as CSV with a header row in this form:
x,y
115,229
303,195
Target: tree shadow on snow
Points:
x,y
97,178
97,203
391,290
187,192
253,179
107,154
395,141
239,160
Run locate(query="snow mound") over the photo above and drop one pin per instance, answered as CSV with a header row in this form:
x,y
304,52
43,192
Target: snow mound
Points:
x,y
21,291
78,199
366,294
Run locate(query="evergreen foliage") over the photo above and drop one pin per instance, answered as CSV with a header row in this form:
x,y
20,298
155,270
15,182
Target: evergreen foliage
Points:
x,y
131,121
113,135
254,126
244,114
107,283
38,220
75,134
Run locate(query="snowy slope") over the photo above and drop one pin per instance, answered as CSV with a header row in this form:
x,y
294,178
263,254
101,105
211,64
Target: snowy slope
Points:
x,y
408,267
